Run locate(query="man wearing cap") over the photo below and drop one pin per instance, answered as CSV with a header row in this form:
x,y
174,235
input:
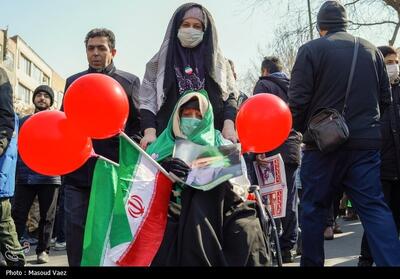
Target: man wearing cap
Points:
x,y
319,80
29,184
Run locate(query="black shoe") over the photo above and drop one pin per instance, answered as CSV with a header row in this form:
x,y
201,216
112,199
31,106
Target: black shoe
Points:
x,y
337,229
342,212
287,256
364,262
328,233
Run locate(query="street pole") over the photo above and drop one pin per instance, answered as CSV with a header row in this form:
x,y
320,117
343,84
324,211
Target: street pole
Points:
x,y
309,19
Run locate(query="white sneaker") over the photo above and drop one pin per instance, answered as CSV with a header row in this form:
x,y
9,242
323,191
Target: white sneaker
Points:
x,y
59,246
42,258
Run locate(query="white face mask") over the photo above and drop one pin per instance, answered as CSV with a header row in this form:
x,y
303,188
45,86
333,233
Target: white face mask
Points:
x,y
393,71
190,37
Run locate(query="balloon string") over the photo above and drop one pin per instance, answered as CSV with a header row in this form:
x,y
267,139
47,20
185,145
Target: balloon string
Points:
x,y
108,160
93,153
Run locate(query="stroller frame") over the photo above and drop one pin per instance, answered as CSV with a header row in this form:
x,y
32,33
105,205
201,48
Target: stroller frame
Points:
x,y
267,223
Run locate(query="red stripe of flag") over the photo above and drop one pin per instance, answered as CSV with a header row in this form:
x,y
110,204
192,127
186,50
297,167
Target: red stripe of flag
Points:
x,y
143,249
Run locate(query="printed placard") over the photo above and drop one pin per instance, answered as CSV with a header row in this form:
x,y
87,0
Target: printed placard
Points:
x,y
272,181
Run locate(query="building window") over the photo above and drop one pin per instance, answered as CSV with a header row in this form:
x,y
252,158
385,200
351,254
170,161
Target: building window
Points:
x,y
46,79
59,99
23,94
9,61
25,65
36,73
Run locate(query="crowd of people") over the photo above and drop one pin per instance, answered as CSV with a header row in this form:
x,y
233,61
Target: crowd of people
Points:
x,y
189,91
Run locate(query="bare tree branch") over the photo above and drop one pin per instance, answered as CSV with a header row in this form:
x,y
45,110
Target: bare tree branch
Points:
x,y
364,15
352,3
373,23
396,31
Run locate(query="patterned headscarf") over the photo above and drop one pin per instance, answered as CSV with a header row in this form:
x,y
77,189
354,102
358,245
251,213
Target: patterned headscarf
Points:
x,y
160,73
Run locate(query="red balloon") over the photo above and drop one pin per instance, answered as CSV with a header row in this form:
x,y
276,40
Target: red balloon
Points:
x,y
263,123
49,144
97,105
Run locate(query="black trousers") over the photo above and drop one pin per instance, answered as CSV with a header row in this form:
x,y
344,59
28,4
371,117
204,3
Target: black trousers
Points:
x,y
76,207
23,199
290,223
334,210
59,223
391,192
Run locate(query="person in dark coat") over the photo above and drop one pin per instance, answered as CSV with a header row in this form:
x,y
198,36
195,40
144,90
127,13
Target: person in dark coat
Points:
x,y
31,184
6,112
10,247
189,59
390,150
276,82
100,50
319,80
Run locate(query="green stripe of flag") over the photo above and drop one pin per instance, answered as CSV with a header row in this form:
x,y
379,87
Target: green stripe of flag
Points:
x,y
100,212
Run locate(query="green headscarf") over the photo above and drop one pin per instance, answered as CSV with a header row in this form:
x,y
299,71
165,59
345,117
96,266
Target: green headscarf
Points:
x,y
204,134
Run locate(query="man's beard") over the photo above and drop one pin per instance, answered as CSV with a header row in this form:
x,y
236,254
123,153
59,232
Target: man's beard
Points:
x,y
37,108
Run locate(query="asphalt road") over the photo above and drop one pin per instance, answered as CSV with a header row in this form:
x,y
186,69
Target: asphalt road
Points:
x,y
343,250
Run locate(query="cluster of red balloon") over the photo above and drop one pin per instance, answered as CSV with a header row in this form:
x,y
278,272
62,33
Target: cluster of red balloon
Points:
x,y
263,123
57,143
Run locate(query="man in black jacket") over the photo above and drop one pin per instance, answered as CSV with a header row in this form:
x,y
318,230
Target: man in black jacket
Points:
x,y
319,79
276,82
100,50
30,184
390,150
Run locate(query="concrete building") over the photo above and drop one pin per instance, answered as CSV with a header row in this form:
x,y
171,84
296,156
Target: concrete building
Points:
x,y
27,70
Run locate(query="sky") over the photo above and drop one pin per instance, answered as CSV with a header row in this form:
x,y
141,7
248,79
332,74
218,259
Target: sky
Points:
x,y
56,29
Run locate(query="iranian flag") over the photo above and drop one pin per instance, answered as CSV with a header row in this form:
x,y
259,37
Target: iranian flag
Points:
x,y
127,212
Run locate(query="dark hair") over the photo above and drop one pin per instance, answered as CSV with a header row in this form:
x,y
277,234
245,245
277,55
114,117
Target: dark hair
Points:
x,y
272,64
101,32
387,50
193,103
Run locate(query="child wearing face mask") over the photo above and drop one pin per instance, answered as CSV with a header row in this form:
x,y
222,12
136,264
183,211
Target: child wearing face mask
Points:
x,y
390,150
193,120
206,227
189,59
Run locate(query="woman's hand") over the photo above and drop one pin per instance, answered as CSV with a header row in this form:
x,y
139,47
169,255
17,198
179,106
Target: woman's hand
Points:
x,y
149,137
228,131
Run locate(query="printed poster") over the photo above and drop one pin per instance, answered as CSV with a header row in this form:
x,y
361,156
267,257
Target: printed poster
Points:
x,y
273,187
